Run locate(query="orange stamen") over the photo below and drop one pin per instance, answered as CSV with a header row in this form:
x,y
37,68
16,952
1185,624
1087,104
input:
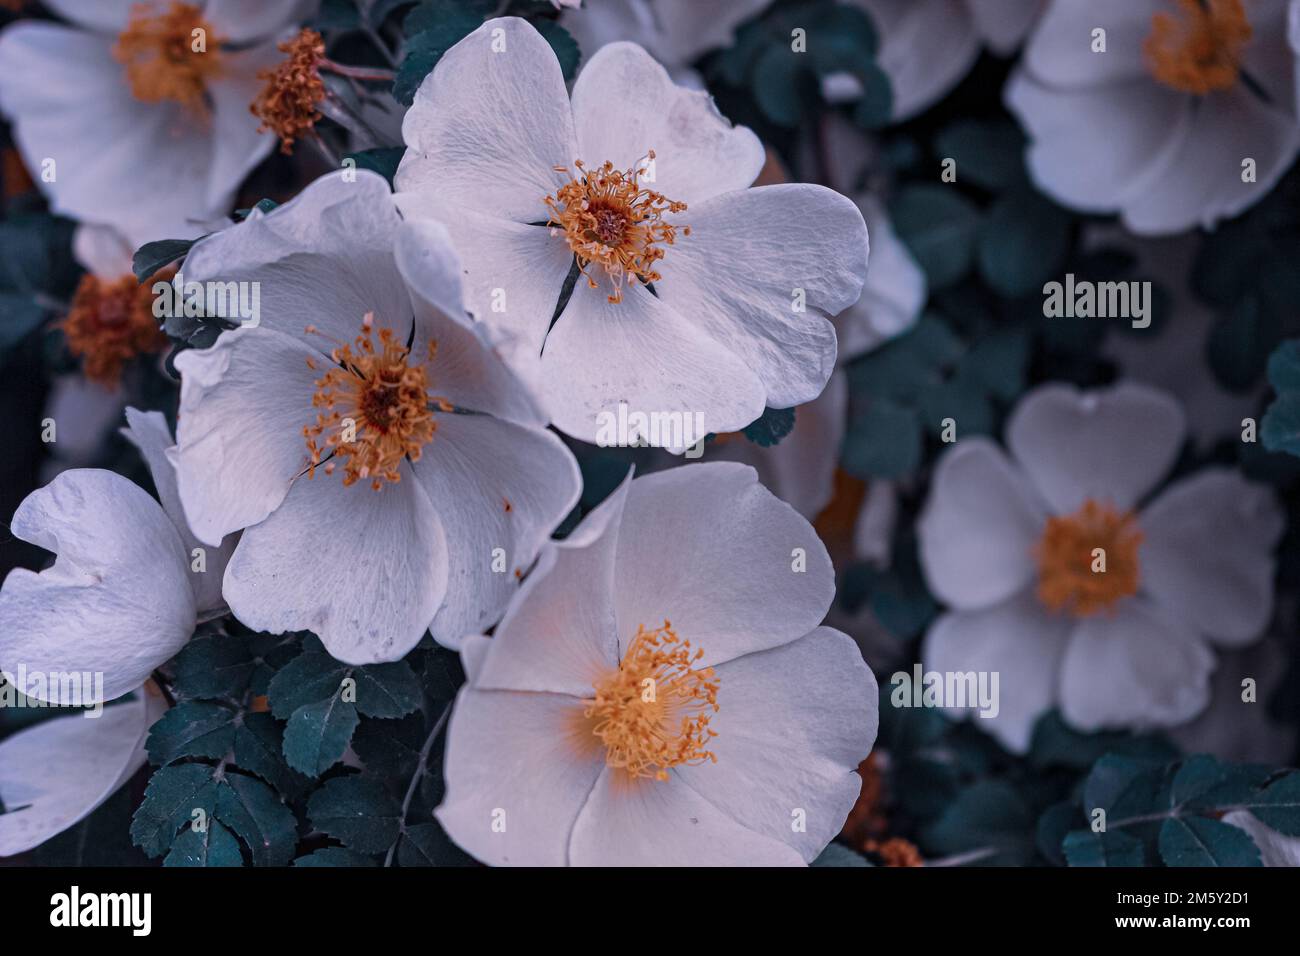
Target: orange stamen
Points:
x,y
1073,551
111,322
1198,50
287,104
169,56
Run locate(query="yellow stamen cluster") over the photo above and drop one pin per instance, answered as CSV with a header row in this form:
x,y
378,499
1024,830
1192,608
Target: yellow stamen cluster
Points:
x,y
170,55
111,322
610,219
1198,50
376,409
1069,575
653,712
287,104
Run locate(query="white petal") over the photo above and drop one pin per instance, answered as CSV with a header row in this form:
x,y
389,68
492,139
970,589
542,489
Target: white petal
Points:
x,y
1275,849
466,370
751,257
1096,149
894,292
524,760
149,432
85,413
979,527
54,775
1202,181
244,404
1136,668
1207,553
364,569
117,600
794,724
628,822
495,485
323,259
102,250
512,273
690,28
1020,642
237,146
1111,444
698,153
926,47
1060,53
560,633
717,554
490,123
241,21
106,16
646,355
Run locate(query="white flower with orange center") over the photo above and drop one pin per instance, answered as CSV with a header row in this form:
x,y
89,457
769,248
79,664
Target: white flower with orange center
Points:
x,y
392,473
147,127
694,293
660,691
1084,591
1186,118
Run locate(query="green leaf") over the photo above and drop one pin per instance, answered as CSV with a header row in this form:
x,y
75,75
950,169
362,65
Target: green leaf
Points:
x,y
358,812
1280,429
883,442
254,811
334,856
1199,841
1113,848
1023,242
1196,776
990,813
425,844
259,742
940,227
1122,786
1278,806
192,728
216,847
874,109
171,798
988,152
383,160
307,679
780,80
20,313
153,256
770,427
387,690
318,734
213,666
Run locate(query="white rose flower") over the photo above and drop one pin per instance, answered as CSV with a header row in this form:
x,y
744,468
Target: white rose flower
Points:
x,y
393,475
152,144
660,692
644,184
1159,127
1081,594
126,589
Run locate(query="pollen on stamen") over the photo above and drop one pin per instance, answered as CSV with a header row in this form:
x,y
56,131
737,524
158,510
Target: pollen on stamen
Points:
x,y
652,714
171,55
375,409
288,102
1088,560
1199,48
110,322
611,220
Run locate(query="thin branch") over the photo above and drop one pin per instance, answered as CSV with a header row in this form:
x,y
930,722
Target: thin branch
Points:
x,y
421,767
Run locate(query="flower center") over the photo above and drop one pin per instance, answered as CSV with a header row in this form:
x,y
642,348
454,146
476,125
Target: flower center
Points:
x,y
287,104
653,712
111,322
610,219
166,55
1198,50
1087,561
375,409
